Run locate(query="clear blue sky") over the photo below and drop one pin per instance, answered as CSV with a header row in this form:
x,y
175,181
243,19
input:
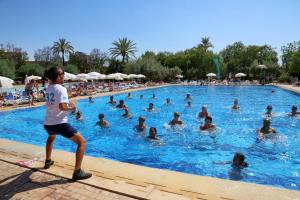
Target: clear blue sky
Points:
x,y
156,25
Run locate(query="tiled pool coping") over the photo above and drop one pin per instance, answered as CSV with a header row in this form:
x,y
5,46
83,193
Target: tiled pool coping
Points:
x,y
144,182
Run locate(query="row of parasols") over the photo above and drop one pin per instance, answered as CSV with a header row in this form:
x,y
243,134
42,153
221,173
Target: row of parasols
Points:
x,y
98,76
7,82
92,76
238,75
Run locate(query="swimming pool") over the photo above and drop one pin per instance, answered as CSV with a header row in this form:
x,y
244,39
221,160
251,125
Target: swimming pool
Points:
x,y
274,161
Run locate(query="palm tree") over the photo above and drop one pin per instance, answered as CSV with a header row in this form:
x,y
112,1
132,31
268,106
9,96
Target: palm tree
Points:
x,y
123,47
63,47
205,43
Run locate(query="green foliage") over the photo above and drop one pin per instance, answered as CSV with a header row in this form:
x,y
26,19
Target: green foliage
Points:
x,y
123,47
81,60
151,68
115,66
287,53
30,69
284,77
294,65
205,44
240,58
7,68
98,59
195,63
73,69
63,47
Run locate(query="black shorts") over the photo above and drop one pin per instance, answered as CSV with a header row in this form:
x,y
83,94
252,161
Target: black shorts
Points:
x,y
64,129
29,92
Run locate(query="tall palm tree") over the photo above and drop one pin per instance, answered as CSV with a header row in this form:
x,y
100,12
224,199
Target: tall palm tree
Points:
x,y
123,47
205,43
63,47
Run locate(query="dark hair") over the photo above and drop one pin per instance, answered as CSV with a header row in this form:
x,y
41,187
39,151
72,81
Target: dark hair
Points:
x,y
269,107
101,115
153,128
141,118
239,155
209,118
52,73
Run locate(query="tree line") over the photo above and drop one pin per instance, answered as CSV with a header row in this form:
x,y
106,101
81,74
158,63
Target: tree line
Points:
x,y
193,63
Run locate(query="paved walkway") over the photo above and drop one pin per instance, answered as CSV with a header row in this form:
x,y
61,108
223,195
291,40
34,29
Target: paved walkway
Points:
x,y
18,182
289,87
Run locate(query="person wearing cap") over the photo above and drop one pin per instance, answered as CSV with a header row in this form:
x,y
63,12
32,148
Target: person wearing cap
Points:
x,y
140,127
294,112
188,97
235,105
176,120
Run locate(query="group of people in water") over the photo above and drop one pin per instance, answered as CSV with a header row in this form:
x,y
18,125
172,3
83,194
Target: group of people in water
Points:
x,y
238,159
208,125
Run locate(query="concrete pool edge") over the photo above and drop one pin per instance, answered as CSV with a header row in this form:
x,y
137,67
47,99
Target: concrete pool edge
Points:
x,y
143,182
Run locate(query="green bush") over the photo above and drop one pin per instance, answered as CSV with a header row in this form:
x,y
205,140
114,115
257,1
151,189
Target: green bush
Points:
x,y
284,77
71,69
30,69
7,68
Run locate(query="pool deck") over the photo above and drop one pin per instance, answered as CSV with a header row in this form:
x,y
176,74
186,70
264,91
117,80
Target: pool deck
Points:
x,y
113,179
116,180
289,87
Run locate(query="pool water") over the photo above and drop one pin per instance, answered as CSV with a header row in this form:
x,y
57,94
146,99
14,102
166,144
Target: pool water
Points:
x,y
274,161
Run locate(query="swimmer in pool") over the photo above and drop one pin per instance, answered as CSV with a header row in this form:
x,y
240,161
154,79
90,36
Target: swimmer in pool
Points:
x,y
153,134
79,116
176,120
294,112
266,129
91,100
168,101
102,122
112,101
235,105
121,104
140,127
127,113
204,113
188,97
269,111
208,125
151,107
129,96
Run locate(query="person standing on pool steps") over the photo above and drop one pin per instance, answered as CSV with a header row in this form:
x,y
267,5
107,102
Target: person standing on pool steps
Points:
x,y
56,121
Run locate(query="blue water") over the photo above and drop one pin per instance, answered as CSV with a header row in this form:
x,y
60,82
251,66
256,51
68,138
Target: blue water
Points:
x,y
274,161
